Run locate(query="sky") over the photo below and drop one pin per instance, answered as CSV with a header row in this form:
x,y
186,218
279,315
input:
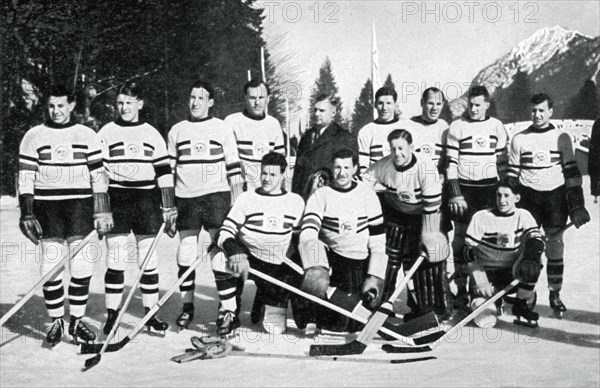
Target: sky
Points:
x,y
421,44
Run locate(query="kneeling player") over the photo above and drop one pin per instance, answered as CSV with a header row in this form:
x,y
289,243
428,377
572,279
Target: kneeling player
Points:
x,y
257,232
503,243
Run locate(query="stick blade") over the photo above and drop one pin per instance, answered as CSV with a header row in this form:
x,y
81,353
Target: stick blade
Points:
x,y
414,326
429,338
96,348
405,349
91,362
353,347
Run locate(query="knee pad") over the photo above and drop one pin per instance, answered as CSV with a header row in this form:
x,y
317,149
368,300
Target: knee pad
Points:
x,y
82,264
555,246
53,250
144,243
188,248
119,251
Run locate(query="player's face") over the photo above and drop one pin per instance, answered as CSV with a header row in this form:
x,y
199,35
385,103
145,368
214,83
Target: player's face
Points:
x,y
401,152
477,108
257,100
270,179
432,106
129,108
59,109
200,103
506,200
540,115
343,171
386,107
324,113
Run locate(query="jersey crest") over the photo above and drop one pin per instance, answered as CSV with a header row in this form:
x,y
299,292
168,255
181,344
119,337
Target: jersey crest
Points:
x,y
200,148
61,152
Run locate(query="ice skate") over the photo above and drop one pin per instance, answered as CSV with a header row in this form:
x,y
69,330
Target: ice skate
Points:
x,y
525,316
274,321
557,306
79,332
54,335
227,322
186,316
156,325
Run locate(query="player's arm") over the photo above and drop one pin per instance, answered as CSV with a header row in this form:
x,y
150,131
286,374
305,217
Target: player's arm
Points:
x,y
457,202
574,192
279,140
514,159
373,284
364,144
433,241
501,151
473,257
227,237
440,149
164,180
103,220
28,168
232,164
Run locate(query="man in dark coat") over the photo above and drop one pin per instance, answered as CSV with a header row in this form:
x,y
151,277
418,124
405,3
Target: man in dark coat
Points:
x,y
319,143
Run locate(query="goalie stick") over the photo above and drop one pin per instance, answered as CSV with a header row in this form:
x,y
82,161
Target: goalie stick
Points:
x,y
91,362
47,276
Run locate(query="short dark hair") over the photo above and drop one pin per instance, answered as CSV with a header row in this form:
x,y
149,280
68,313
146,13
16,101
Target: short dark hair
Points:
x,y
345,153
255,83
434,90
386,91
132,89
333,100
509,183
541,97
60,90
479,90
274,159
400,134
204,85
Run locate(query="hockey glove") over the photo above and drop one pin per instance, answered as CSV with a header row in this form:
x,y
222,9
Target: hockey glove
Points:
x,y
528,266
316,281
575,201
29,225
103,220
482,286
169,211
372,290
237,258
458,205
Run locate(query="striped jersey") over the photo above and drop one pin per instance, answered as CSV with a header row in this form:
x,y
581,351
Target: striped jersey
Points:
x,y
58,162
136,155
372,141
412,189
429,138
498,237
255,137
476,151
204,157
543,159
264,223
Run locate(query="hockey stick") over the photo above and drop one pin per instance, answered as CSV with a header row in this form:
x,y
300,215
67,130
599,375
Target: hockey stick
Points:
x,y
95,348
374,324
91,362
49,275
331,306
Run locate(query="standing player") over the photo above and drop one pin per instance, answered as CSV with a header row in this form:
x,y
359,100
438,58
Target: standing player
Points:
x,y
477,157
258,232
372,138
208,180
345,216
411,204
137,160
504,242
541,158
256,133
62,186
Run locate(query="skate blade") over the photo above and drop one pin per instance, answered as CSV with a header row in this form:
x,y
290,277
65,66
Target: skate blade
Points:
x,y
558,314
530,324
78,341
155,333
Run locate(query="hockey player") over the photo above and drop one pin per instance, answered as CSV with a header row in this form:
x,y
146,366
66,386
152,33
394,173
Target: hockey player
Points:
x,y
208,174
504,242
541,158
372,138
257,233
256,133
319,143
62,186
346,217
412,193
477,157
136,155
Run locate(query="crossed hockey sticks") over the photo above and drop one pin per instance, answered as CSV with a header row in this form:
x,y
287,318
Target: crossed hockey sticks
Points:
x,y
374,324
49,275
91,362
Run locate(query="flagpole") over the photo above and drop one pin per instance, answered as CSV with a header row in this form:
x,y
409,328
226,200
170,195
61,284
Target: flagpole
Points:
x,y
262,69
375,78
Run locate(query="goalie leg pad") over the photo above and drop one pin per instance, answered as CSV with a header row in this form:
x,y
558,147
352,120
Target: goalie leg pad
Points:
x,y
402,241
431,289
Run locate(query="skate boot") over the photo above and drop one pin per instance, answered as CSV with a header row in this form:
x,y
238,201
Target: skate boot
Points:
x,y
227,322
155,324
522,309
274,321
55,333
186,316
556,304
79,332
111,318
488,317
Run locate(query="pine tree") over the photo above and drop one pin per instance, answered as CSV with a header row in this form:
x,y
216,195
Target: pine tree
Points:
x,y
585,104
325,84
389,83
363,107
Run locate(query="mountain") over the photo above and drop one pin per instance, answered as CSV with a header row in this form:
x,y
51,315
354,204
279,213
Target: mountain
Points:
x,y
553,60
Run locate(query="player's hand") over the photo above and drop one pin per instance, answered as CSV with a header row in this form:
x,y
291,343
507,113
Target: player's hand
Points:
x,y
372,290
458,206
485,290
316,281
103,223
31,228
238,264
580,217
170,219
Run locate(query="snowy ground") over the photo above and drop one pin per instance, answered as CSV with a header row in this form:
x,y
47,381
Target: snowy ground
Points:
x,y
559,353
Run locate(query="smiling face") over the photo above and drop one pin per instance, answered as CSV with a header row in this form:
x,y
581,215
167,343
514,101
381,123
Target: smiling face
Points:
x,y
200,103
401,152
540,115
432,106
477,108
506,200
256,100
386,107
59,109
129,108
271,178
343,171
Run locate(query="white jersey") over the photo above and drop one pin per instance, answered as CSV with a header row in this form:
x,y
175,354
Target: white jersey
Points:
x,y
372,141
429,138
